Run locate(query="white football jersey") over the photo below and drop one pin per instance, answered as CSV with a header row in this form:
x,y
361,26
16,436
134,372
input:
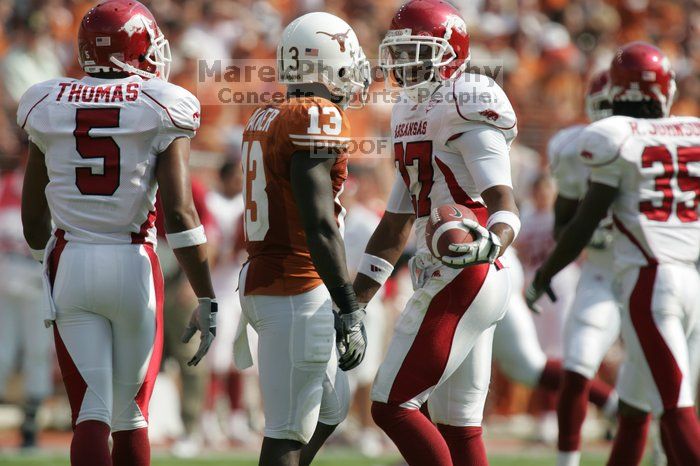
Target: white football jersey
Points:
x,y
11,237
430,173
570,172
572,177
655,164
101,139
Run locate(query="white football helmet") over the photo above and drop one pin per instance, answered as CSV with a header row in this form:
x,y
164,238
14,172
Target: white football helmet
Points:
x,y
322,48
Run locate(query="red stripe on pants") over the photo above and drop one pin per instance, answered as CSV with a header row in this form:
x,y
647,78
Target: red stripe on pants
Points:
x,y
664,368
55,255
73,381
143,397
427,358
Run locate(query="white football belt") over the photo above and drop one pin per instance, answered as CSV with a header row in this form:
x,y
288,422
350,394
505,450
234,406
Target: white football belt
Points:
x,y
48,304
242,358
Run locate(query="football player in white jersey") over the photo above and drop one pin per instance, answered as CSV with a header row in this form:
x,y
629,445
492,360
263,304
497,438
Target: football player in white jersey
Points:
x,y
451,137
593,323
645,165
23,342
519,354
100,147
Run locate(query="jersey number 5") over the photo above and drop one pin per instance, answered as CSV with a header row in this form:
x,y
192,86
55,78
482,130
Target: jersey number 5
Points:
x,y
97,147
689,185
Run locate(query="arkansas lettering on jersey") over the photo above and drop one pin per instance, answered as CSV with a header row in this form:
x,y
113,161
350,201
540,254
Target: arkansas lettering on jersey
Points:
x,y
655,165
279,260
433,173
101,139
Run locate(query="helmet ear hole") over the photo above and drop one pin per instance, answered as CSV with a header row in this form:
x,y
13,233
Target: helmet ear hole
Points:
x,y
342,72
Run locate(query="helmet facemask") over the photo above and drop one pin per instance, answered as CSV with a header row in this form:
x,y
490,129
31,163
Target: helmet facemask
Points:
x,y
653,93
598,106
352,83
416,64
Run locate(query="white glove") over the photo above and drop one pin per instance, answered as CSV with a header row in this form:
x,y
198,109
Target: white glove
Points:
x,y
602,238
484,249
203,319
351,338
540,285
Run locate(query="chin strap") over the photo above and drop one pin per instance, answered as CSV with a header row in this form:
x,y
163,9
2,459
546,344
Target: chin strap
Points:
x,y
132,69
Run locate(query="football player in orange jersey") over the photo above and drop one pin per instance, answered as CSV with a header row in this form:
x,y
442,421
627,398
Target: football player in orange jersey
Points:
x,y
295,164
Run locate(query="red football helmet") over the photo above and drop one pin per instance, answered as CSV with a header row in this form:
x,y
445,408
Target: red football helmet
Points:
x,y
641,72
598,104
427,34
122,36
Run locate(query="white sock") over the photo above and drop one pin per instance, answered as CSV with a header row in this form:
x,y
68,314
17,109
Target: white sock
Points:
x,y
568,458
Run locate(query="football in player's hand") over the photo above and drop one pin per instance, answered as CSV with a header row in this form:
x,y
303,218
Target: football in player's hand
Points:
x,y
445,227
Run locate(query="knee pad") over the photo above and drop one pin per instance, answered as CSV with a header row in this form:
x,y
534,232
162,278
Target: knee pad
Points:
x,y
468,411
335,403
524,368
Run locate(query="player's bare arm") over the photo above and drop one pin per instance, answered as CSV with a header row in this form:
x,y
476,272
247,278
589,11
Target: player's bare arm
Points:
x,y
574,238
387,242
181,217
564,211
36,218
501,199
310,177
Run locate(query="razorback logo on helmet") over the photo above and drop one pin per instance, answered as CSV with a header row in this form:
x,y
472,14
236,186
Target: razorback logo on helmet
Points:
x,y
587,155
490,114
135,24
454,21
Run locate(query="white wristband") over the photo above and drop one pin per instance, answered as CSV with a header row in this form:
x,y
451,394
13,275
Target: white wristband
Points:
x,y
184,239
505,216
37,254
375,268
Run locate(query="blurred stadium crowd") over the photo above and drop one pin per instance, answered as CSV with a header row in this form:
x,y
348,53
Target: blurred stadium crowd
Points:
x,y
546,50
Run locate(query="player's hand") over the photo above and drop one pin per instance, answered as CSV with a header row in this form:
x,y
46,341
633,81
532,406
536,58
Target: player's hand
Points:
x,y
484,249
351,338
539,286
203,319
602,238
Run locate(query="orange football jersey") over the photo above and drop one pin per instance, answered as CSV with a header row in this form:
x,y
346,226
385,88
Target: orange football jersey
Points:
x,y
279,259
